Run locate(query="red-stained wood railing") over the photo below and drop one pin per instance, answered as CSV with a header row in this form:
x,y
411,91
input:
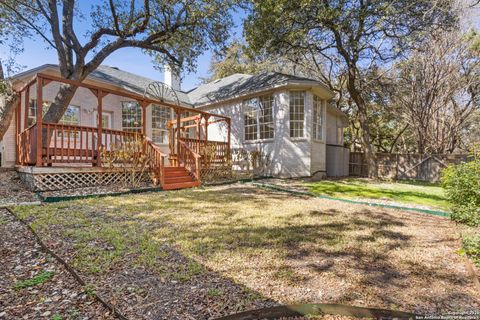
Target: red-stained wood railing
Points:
x,y
221,150
27,146
157,164
189,159
69,143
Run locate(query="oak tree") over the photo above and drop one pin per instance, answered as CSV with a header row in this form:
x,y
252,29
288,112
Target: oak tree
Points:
x,y
174,32
350,34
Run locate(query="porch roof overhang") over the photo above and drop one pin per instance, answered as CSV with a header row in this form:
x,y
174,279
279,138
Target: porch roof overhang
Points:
x,y
119,92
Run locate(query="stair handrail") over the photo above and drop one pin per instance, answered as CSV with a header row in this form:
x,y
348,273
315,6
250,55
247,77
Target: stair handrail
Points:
x,y
185,154
158,161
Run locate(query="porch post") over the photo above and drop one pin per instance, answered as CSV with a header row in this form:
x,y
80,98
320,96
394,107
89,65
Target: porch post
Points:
x,y
18,119
144,117
39,121
99,126
26,107
199,125
178,136
206,127
229,124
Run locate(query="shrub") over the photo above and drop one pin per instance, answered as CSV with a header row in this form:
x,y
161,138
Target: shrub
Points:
x,y
471,247
462,185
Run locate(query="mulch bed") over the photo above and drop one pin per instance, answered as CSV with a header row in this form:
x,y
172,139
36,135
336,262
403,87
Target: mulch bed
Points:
x,y
13,191
23,259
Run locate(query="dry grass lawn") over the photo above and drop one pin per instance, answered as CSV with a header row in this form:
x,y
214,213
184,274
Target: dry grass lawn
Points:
x,y
244,247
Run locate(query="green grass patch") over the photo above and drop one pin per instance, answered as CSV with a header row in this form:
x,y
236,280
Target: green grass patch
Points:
x,y
40,278
406,192
214,292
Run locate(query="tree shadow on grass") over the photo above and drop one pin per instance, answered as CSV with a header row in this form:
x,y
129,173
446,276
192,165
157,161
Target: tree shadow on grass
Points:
x,y
337,244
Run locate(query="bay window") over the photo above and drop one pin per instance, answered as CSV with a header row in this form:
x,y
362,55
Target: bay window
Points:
x,y
297,114
318,118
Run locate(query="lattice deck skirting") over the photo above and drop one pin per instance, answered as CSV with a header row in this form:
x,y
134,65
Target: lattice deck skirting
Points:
x,y
58,178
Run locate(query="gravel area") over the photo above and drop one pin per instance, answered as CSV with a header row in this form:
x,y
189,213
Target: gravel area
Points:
x,y
34,285
13,191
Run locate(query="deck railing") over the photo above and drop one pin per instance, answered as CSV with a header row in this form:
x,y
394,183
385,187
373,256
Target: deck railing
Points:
x,y
189,159
157,161
220,150
27,146
64,143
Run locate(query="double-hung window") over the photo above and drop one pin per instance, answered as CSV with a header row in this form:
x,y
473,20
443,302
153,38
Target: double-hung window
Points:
x,y
131,116
70,117
258,118
32,110
318,118
297,114
160,117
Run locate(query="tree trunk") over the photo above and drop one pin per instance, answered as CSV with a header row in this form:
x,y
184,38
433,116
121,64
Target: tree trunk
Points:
x,y
366,141
7,110
6,113
60,103
58,108
363,119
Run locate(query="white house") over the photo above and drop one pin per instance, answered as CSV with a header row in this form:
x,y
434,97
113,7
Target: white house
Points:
x,y
287,118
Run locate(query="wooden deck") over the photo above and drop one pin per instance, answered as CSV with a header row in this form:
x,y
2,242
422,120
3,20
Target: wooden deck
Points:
x,y
61,146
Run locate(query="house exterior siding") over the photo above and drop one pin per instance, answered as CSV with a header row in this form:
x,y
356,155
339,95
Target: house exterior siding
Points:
x,y
290,157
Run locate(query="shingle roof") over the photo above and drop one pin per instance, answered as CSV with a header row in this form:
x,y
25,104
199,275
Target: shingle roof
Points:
x,y
241,84
235,85
123,79
129,81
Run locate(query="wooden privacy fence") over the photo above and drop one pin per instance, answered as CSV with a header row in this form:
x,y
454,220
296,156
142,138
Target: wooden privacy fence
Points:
x,y
405,166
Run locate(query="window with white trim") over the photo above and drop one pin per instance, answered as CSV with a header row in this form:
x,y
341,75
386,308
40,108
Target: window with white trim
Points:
x,y
160,117
318,118
131,116
258,118
297,114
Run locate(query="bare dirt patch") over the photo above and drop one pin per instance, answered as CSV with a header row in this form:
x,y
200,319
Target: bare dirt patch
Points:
x,y
34,285
202,253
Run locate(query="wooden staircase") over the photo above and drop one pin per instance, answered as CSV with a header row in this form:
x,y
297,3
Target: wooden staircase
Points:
x,y
178,178
168,177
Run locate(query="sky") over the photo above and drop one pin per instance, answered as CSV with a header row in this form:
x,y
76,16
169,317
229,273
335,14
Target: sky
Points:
x,y
36,53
